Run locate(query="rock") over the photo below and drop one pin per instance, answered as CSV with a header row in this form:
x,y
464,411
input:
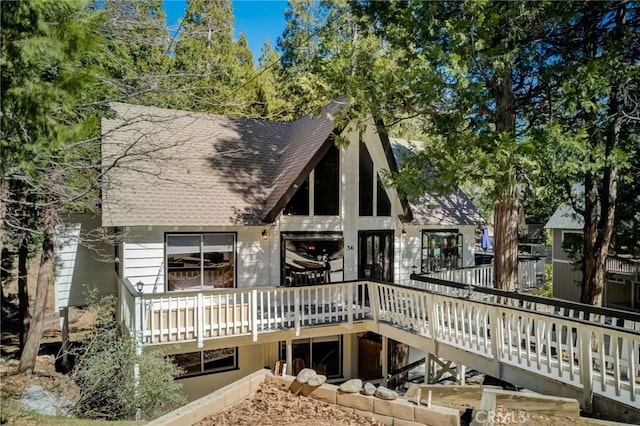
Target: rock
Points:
x,y
317,380
305,374
351,386
476,380
39,400
368,389
386,393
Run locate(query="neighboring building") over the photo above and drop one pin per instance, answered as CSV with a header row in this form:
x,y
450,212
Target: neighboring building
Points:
x,y
622,289
202,202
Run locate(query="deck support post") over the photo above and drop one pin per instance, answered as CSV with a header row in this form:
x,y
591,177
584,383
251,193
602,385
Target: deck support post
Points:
x,y
289,355
64,326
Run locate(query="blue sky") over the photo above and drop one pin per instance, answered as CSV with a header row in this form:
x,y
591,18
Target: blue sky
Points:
x,y
258,19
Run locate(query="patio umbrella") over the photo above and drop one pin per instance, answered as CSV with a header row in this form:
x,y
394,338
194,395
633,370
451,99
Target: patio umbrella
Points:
x,y
484,239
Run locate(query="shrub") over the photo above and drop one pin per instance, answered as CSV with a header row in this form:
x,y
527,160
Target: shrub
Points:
x,y
106,374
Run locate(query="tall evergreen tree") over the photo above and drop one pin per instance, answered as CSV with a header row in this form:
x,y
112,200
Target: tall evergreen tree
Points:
x,y
136,58
589,115
214,72
48,90
469,72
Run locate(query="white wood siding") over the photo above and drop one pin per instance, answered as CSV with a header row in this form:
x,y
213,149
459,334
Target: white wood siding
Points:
x,y
78,269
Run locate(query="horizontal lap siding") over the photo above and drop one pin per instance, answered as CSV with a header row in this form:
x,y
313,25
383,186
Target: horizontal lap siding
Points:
x,y
66,249
79,270
252,258
143,262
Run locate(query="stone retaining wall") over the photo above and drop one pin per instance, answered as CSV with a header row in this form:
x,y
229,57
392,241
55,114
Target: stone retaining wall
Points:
x,y
399,412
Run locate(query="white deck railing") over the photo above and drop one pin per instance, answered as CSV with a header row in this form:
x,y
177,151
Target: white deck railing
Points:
x,y
482,275
621,265
596,350
197,316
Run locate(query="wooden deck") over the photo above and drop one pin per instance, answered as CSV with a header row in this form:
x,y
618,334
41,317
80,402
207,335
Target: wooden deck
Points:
x,y
588,352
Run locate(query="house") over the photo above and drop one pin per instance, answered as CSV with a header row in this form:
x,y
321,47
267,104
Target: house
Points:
x,y
622,287
201,203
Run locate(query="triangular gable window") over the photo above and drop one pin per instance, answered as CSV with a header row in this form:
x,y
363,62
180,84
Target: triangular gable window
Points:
x,y
369,192
319,194
383,204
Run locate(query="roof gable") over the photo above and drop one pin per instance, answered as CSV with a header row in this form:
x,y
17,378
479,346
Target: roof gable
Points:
x,y
179,168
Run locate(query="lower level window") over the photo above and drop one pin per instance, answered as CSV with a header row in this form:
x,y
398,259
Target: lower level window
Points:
x,y
322,354
209,361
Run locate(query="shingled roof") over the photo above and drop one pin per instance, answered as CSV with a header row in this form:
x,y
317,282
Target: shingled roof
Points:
x,y
178,168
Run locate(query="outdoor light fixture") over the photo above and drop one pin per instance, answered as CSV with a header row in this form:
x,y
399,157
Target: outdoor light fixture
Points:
x,y
404,232
140,286
414,268
264,234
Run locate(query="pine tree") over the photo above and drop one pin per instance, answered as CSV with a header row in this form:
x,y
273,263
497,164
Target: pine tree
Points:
x,y
136,58
48,90
214,72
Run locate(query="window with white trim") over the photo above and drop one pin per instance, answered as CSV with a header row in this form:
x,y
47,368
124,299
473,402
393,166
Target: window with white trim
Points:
x,y
200,261
441,249
207,361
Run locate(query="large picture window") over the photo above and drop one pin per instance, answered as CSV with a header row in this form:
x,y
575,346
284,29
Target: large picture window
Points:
x,y
312,258
209,361
441,250
323,354
200,261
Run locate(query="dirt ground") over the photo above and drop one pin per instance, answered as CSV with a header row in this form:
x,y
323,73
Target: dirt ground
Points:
x,y
271,405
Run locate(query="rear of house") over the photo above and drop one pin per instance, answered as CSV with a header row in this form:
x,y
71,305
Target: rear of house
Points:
x,y
205,207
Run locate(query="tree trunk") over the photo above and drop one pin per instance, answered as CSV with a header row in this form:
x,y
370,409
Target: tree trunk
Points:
x,y
598,228
23,289
24,314
506,239
4,196
32,345
506,211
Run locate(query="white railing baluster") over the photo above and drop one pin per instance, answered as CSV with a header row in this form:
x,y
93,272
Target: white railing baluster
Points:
x,y
254,314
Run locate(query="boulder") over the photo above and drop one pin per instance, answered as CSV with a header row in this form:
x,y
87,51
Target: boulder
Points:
x,y
369,389
351,386
44,402
305,374
385,393
317,380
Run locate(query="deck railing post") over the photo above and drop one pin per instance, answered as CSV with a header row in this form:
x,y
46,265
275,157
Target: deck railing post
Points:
x,y
586,368
254,314
296,310
350,305
495,325
136,324
431,315
372,289
200,319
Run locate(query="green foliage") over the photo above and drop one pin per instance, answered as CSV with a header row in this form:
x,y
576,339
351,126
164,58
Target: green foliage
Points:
x,y
213,72
47,82
106,374
547,288
135,56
